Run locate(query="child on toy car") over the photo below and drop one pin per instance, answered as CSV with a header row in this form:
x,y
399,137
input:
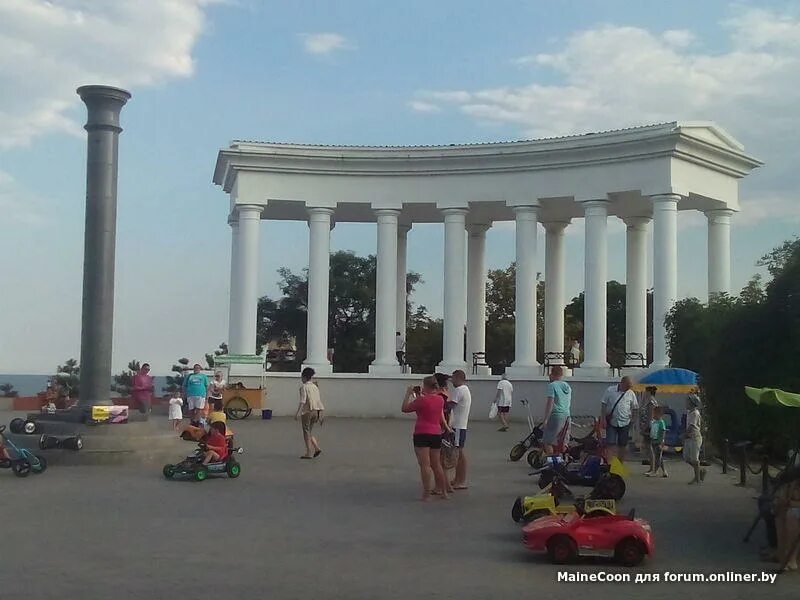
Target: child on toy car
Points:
x,y
216,444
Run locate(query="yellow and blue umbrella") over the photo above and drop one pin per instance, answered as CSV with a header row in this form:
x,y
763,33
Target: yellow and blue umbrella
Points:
x,y
669,381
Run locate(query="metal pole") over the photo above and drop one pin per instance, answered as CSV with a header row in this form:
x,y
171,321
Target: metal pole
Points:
x,y
725,451
764,473
743,467
102,125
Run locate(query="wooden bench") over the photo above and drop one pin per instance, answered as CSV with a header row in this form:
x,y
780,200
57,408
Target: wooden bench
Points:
x,y
478,360
553,359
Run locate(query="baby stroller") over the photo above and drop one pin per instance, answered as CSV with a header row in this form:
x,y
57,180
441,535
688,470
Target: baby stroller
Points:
x,y
23,462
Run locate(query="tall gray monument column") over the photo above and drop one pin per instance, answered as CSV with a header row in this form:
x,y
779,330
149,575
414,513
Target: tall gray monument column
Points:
x,y
102,125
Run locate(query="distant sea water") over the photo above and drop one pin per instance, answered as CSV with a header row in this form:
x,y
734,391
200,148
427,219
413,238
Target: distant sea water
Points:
x,y
30,385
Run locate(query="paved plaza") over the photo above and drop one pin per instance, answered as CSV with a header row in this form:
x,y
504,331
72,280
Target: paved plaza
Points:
x,y
346,525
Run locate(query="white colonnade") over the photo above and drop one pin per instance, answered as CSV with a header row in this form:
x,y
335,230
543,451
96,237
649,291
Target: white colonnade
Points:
x,y
640,175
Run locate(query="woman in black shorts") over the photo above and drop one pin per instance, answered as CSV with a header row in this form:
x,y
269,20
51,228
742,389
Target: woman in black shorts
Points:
x,y
429,406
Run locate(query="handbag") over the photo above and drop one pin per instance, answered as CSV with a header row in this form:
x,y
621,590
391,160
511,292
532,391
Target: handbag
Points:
x,y
609,415
493,411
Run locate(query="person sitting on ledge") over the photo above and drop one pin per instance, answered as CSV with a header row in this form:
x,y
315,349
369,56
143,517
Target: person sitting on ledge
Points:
x,y
216,444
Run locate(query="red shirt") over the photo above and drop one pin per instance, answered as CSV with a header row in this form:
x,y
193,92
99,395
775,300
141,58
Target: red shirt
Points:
x,y
216,441
429,414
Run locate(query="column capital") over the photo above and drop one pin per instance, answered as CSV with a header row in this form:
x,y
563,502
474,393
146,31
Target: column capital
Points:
x,y
719,215
555,226
478,229
636,222
597,207
666,198
526,209
248,209
454,211
386,212
319,211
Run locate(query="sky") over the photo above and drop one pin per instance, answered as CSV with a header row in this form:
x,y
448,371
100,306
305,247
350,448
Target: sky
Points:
x,y
205,72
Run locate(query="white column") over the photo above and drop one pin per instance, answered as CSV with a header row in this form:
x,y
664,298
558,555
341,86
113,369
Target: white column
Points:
x,y
402,300
233,305
719,251
636,284
244,281
554,286
595,362
476,292
665,270
455,290
525,365
386,294
319,259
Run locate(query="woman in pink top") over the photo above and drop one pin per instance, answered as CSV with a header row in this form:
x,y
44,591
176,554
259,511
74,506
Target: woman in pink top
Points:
x,y
429,406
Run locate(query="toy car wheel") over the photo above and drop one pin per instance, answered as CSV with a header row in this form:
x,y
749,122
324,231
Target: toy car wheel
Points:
x,y
201,474
517,452
29,427
21,467
536,459
42,466
233,469
237,408
16,425
562,549
629,552
516,510
169,471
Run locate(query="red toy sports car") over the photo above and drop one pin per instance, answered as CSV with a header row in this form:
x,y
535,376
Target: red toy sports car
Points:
x,y
566,537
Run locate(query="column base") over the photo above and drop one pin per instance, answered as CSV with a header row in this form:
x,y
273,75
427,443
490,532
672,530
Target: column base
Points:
x,y
319,368
394,369
448,368
521,372
593,372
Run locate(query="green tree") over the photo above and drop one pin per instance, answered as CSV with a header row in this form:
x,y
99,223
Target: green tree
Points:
x,y
7,391
749,340
123,383
214,354
68,378
175,381
351,311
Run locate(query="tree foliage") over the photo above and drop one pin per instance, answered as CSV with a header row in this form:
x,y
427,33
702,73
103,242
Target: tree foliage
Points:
x,y
7,391
751,339
175,381
214,354
123,383
67,378
351,311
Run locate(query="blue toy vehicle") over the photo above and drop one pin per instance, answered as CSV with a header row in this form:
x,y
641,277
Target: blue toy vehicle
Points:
x,y
592,470
23,462
676,427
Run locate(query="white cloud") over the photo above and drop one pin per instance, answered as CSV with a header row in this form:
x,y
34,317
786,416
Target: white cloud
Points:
x,y
17,205
616,76
47,49
423,107
769,206
324,44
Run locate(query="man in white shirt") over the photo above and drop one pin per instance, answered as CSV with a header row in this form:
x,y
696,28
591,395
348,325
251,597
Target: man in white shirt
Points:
x,y
618,410
400,348
503,400
461,402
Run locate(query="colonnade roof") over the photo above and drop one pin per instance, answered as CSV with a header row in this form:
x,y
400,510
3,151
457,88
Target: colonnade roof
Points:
x,y
699,161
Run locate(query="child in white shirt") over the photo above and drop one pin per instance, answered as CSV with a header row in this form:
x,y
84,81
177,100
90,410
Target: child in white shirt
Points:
x,y
175,412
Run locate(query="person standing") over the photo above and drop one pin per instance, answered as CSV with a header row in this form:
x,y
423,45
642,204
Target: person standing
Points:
x,y
503,398
693,438
309,411
175,411
647,408
142,389
195,390
461,401
575,354
618,409
429,406
400,348
216,388
557,412
658,432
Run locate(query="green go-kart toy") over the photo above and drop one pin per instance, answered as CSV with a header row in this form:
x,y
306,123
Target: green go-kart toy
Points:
x,y
192,466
